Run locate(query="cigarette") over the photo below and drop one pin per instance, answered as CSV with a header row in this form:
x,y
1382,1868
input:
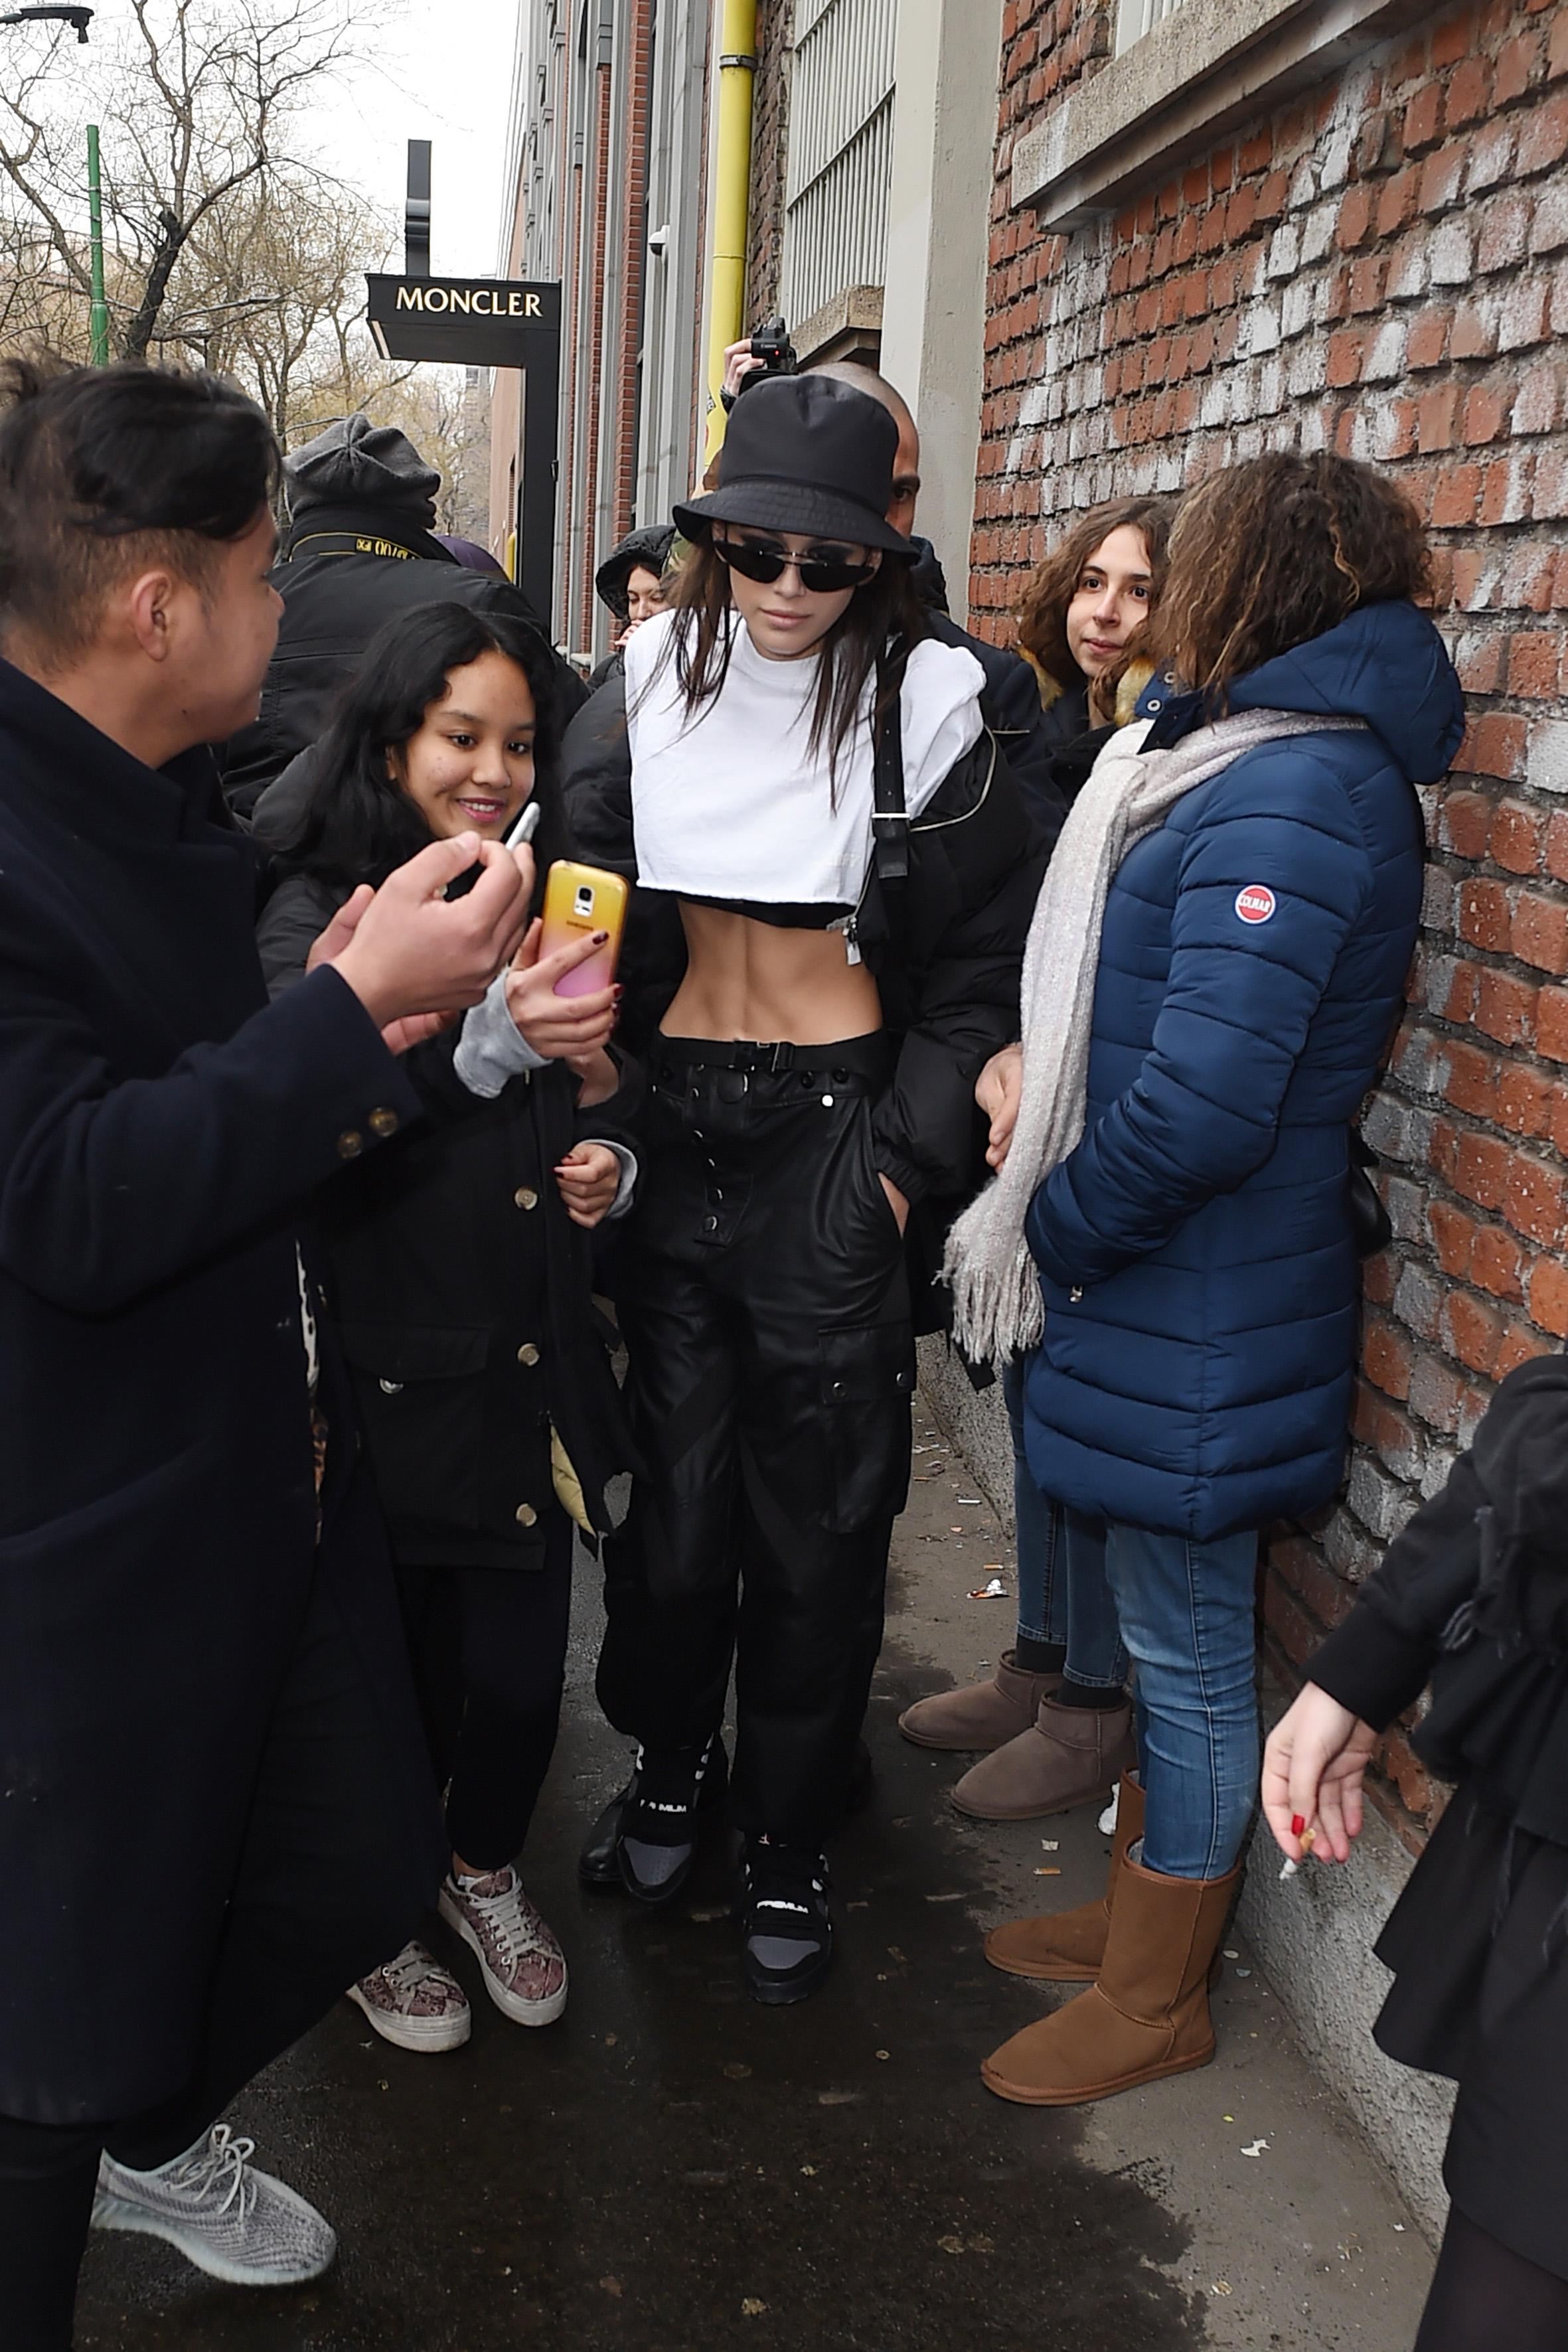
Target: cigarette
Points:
x,y
1290,1868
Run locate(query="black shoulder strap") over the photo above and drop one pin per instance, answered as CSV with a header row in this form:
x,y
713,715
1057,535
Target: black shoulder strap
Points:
x,y
890,817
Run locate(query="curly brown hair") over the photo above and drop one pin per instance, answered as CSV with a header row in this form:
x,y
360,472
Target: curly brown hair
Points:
x,y
1266,554
1041,614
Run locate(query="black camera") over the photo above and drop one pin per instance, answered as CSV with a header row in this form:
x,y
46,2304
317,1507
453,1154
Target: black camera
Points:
x,y
772,345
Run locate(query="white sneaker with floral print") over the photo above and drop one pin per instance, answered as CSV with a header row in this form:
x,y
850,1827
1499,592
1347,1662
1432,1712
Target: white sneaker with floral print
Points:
x,y
415,2003
525,1968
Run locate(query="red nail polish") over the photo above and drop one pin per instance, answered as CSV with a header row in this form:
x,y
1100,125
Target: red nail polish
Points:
x,y
1298,1823
599,937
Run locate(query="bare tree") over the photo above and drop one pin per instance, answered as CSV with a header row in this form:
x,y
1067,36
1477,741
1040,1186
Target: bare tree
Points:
x,y
202,102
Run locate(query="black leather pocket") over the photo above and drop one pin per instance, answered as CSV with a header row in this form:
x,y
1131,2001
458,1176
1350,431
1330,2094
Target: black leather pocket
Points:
x,y
867,1378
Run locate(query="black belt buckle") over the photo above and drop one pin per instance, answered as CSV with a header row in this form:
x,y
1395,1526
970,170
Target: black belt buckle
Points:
x,y
765,1060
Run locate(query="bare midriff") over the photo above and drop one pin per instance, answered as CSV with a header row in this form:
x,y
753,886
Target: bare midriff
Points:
x,y
749,980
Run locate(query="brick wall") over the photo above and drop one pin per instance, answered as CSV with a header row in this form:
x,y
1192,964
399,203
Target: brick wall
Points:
x,y
770,151
1381,267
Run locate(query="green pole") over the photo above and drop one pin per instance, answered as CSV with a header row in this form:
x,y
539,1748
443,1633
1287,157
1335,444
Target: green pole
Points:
x,y
100,313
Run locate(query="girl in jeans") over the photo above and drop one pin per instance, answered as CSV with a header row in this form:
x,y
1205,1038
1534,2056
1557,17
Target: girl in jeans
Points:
x,y
1216,961
1055,1721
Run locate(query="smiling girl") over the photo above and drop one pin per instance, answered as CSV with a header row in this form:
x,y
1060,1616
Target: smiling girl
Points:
x,y
461,1283
834,870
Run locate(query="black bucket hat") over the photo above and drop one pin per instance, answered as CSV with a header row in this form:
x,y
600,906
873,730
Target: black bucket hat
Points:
x,y
807,454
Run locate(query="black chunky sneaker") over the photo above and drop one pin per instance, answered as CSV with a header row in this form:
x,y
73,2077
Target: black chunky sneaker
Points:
x,y
657,1844
787,1928
596,1863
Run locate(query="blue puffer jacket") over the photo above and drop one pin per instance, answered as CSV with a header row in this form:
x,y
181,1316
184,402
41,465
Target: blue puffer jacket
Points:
x,y
1194,1251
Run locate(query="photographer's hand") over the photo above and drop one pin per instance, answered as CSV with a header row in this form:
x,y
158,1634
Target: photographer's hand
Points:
x,y
738,365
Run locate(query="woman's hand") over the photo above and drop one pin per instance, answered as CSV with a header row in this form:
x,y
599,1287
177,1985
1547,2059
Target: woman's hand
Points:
x,y
998,1090
589,1178
896,1200
1313,1768
561,1028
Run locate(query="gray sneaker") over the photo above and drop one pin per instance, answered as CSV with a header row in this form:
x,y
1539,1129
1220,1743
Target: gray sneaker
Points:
x,y
234,2223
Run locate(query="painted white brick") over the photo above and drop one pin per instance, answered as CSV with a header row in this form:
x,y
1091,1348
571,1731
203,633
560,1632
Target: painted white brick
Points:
x,y
1546,756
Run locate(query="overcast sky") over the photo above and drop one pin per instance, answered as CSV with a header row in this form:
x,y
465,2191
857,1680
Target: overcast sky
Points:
x,y
443,72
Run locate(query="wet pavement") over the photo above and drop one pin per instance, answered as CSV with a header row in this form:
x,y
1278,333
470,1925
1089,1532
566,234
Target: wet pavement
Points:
x,y
673,2168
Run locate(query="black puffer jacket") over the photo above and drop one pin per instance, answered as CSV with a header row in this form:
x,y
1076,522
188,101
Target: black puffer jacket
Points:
x,y
461,1293
946,961
1010,702
347,571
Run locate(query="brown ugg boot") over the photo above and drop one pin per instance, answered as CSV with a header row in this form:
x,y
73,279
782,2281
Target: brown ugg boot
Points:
x,y
1146,2014
982,1714
1067,1755
1067,1947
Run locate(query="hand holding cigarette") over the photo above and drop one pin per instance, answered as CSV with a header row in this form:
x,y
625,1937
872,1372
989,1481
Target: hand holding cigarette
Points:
x,y
1313,1768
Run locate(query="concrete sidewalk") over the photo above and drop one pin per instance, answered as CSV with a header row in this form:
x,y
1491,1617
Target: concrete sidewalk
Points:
x,y
673,2169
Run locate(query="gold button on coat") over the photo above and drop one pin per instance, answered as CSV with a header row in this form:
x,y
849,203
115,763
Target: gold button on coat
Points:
x,y
526,1197
526,1515
383,1122
528,1353
351,1143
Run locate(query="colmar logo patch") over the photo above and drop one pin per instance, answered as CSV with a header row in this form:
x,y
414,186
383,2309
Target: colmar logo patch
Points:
x,y
1256,903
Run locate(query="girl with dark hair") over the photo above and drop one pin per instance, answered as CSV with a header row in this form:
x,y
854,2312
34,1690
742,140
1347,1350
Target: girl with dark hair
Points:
x,y
1053,1725
1082,609
835,873
1215,966
460,1278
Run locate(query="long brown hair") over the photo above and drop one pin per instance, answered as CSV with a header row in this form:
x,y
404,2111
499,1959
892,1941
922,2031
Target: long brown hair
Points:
x,y
1042,614
882,612
1269,553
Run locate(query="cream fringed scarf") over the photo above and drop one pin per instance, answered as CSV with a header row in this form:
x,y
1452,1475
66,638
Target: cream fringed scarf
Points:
x,y
996,1296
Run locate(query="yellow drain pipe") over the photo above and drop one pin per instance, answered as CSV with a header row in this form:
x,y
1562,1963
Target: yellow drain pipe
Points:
x,y
732,201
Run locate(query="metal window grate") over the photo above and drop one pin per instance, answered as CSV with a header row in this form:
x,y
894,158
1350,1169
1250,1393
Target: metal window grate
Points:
x,y
1136,17
840,150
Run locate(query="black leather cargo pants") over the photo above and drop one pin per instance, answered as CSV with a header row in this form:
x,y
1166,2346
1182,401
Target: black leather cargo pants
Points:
x,y
766,1315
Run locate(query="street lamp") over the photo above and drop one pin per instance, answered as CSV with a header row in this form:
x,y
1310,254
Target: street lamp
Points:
x,y
81,17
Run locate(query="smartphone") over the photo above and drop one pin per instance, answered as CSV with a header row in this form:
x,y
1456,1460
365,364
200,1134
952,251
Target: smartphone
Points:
x,y
579,898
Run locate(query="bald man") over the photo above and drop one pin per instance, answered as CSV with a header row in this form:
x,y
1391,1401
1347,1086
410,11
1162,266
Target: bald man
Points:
x,y
1010,702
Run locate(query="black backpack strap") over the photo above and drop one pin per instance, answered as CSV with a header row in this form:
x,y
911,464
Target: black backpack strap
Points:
x,y
890,817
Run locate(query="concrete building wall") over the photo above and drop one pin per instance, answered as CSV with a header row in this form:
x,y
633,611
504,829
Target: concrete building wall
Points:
x,y
607,194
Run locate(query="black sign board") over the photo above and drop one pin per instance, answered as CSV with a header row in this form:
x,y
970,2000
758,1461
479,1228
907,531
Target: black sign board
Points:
x,y
498,322
464,321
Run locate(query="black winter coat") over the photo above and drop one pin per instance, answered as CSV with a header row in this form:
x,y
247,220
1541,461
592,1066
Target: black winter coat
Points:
x,y
161,1127
347,573
1009,703
945,948
462,1294
1473,1596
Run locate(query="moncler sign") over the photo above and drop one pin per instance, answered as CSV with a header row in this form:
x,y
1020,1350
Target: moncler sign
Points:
x,y
472,322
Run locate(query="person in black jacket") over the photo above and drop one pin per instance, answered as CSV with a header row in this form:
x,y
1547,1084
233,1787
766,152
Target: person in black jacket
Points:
x,y
815,1016
630,582
1472,1598
358,550
217,1806
460,1284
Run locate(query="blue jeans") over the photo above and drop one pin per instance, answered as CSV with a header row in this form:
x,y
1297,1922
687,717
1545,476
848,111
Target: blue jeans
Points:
x,y
1188,1615
1058,1601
